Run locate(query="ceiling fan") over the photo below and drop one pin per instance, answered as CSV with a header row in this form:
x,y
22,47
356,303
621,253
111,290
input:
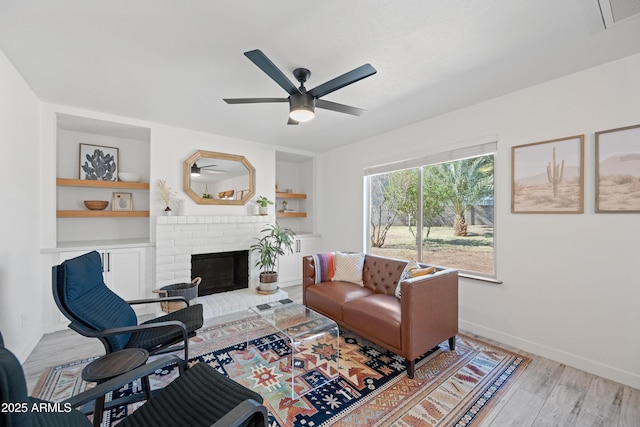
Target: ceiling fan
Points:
x,y
302,102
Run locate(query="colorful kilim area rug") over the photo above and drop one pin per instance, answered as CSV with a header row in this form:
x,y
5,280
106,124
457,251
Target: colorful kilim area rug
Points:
x,y
449,388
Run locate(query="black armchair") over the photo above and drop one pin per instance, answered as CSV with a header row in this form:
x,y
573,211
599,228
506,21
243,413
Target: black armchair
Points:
x,y
95,311
199,397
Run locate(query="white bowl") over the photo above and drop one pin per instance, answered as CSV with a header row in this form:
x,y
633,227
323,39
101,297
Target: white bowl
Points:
x,y
129,176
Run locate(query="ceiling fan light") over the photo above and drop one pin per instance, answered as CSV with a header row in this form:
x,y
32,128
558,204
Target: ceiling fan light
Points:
x,y
302,113
195,170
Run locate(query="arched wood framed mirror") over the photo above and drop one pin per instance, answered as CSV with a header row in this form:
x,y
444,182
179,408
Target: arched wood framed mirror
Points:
x,y
211,178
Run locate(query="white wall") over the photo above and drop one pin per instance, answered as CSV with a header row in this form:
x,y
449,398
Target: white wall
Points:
x,y
20,113
170,147
571,288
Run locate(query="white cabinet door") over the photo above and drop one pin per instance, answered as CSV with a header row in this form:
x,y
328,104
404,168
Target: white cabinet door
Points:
x,y
125,272
287,271
307,247
290,265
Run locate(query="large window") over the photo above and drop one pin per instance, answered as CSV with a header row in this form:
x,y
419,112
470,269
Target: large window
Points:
x,y
436,211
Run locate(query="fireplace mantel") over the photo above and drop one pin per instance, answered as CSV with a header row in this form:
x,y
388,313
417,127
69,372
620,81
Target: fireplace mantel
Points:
x,y
212,219
180,236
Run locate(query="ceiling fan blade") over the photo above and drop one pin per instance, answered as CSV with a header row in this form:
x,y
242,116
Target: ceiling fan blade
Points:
x,y
292,122
260,59
346,79
253,100
341,108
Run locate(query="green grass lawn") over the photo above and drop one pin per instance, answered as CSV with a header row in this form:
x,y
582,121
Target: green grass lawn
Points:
x,y
472,253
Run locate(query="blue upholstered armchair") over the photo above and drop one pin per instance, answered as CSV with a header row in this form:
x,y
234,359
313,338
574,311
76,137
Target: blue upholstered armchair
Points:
x,y
219,401
95,311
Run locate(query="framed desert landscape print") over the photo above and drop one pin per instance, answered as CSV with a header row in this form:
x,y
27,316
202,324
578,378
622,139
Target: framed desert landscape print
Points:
x,y
548,176
618,170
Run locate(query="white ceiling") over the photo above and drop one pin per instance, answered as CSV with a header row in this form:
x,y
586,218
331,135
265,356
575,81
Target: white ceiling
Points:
x,y
172,62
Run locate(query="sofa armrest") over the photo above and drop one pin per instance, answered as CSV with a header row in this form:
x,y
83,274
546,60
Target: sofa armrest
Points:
x,y
308,275
429,308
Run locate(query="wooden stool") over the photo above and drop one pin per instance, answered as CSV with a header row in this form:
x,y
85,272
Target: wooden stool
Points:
x,y
110,366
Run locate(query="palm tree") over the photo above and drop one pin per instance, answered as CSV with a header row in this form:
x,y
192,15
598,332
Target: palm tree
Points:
x,y
465,183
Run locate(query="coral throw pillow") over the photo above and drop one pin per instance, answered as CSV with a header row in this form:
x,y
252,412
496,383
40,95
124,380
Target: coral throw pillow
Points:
x,y
348,267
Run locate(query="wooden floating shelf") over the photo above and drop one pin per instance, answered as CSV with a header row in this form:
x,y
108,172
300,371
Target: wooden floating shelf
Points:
x,y
101,214
291,214
66,182
283,195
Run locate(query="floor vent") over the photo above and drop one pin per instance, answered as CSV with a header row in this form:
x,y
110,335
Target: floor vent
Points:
x,y
615,11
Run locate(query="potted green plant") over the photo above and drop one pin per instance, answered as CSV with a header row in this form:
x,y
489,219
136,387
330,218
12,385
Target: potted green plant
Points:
x,y
263,202
275,241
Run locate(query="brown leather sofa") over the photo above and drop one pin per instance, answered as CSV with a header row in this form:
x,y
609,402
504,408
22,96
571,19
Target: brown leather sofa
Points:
x,y
425,316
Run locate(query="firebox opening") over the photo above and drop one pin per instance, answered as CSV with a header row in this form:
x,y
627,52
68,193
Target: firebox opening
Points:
x,y
221,271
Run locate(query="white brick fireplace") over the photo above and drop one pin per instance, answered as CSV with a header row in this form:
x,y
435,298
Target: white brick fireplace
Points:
x,y
179,237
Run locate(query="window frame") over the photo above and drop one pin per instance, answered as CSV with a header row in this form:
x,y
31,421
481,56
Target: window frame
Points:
x,y
488,145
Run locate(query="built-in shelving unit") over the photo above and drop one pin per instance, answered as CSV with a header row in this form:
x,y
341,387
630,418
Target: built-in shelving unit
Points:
x,y
101,214
67,182
73,221
292,214
283,195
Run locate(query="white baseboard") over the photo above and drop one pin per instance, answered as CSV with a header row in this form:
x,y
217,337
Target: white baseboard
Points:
x,y
26,349
596,368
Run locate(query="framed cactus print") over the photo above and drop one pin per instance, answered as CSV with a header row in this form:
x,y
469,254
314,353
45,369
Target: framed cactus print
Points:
x,y
98,163
618,170
548,176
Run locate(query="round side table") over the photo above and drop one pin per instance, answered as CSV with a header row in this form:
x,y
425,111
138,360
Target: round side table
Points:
x,y
112,365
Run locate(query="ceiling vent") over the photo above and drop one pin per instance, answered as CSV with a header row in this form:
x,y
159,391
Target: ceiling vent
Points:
x,y
615,11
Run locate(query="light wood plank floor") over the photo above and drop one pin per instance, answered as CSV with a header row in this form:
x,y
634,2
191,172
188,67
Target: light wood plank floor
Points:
x,y
546,394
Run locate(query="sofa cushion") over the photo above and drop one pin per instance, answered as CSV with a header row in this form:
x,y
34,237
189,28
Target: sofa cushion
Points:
x,y
329,297
377,315
348,267
89,299
406,274
381,274
324,267
422,271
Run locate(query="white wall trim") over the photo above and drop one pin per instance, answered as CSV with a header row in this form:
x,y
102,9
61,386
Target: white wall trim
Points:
x,y
628,378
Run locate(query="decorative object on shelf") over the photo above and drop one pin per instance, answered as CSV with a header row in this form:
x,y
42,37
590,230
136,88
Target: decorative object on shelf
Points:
x,y
129,177
226,195
285,207
276,241
206,194
182,207
263,204
548,176
122,202
618,169
240,194
96,205
166,195
98,163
